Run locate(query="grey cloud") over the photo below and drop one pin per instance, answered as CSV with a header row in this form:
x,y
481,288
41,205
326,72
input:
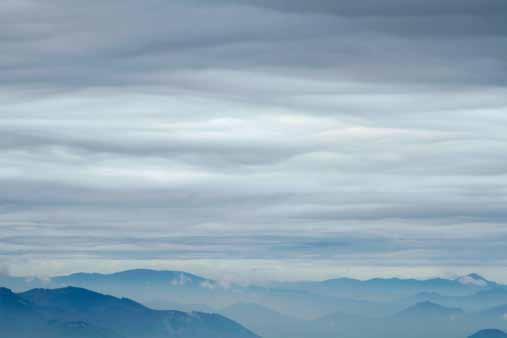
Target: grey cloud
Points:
x,y
284,124
219,154
389,7
84,49
347,247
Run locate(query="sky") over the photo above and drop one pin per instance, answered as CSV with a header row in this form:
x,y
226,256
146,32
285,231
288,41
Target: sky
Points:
x,y
254,139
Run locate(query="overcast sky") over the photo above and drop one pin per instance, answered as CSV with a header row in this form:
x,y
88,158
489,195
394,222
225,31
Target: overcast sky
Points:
x,y
254,139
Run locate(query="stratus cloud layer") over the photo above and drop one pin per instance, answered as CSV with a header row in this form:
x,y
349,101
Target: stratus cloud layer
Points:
x,y
275,132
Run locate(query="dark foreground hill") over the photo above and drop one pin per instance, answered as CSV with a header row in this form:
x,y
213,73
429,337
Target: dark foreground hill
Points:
x,y
489,333
79,313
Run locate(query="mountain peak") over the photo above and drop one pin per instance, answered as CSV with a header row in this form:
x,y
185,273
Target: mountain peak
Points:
x,y
5,291
474,279
141,277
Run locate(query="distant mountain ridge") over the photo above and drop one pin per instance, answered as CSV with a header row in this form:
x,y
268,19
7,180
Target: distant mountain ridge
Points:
x,y
428,310
483,298
142,276
470,280
180,278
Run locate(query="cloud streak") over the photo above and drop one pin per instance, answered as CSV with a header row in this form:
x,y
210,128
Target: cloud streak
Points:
x,y
359,133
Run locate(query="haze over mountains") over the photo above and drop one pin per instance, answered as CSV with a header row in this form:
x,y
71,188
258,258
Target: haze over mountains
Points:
x,y
339,307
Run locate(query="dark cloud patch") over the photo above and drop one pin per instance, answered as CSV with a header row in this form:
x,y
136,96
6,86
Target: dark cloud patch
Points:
x,y
389,7
60,45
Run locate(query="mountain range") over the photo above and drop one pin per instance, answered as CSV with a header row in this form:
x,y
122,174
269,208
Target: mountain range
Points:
x,y
80,313
391,308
